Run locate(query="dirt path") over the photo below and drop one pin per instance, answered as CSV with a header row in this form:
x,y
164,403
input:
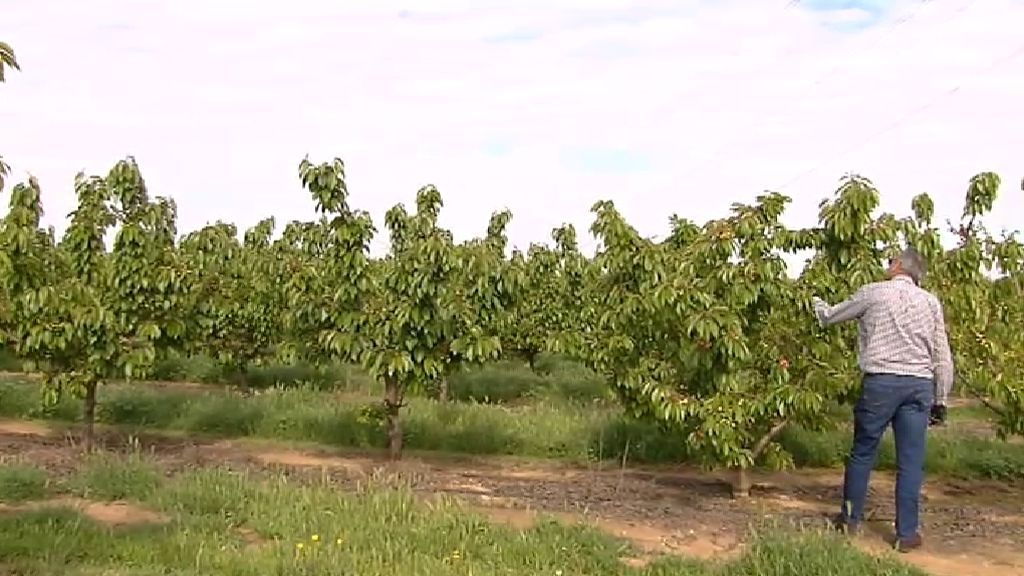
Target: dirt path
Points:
x,y
109,513
970,528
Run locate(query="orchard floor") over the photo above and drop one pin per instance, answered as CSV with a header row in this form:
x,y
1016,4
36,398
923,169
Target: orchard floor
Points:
x,y
970,527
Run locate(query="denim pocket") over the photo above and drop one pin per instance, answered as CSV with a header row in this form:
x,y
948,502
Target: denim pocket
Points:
x,y
875,398
923,396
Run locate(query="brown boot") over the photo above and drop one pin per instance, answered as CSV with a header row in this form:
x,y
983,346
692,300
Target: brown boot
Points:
x,y
909,543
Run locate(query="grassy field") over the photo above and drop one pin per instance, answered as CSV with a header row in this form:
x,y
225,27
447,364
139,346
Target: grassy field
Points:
x,y
562,415
217,521
282,479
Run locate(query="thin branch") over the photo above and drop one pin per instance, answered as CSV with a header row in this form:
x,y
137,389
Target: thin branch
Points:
x,y
765,440
999,411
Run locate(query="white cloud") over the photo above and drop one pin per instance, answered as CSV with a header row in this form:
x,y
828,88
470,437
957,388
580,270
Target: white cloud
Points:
x,y
219,100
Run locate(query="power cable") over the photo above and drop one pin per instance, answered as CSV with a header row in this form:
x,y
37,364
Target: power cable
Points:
x,y
835,68
902,120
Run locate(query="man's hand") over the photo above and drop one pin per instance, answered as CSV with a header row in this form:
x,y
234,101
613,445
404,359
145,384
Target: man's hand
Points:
x,y
820,309
938,415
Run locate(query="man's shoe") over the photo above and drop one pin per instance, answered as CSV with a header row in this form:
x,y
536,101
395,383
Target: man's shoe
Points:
x,y
909,543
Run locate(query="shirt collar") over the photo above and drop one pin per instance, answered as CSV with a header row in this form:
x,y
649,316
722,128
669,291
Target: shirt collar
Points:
x,y
904,278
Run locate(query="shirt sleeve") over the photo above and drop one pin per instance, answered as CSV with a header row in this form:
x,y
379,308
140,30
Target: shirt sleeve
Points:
x,y
942,357
850,309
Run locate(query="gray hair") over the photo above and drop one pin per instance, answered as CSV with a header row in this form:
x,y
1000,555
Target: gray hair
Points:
x,y
913,264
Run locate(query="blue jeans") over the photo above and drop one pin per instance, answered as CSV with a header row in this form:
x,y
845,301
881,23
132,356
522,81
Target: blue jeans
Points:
x,y
904,401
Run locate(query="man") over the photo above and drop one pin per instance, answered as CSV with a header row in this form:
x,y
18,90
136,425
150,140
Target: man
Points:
x,y
908,372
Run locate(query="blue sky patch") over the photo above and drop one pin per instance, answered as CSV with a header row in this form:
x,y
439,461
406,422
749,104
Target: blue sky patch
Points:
x,y
866,13
496,147
514,37
872,6
606,160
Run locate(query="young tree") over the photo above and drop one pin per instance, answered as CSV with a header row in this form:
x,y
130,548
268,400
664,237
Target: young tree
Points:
x,y
415,321
548,312
82,313
328,267
235,295
527,336
980,283
706,332
61,323
28,264
573,314
211,256
477,298
147,290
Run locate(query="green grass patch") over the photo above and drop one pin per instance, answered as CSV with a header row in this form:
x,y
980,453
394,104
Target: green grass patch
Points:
x,y
553,424
513,383
950,453
19,483
233,524
788,553
107,477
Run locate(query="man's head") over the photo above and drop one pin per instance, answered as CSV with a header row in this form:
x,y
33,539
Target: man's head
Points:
x,y
908,263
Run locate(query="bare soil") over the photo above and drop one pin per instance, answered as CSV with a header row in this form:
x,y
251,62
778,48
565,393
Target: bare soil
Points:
x,y
109,513
970,527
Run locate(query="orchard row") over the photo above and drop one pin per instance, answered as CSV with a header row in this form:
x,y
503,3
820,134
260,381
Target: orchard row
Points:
x,y
704,331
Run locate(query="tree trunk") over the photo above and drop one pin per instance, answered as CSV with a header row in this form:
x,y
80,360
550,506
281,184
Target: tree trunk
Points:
x,y
89,417
392,407
531,360
242,376
442,389
741,484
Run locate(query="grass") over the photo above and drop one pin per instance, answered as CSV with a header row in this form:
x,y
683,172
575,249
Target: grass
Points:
x,y
950,453
496,383
502,409
19,483
108,477
234,524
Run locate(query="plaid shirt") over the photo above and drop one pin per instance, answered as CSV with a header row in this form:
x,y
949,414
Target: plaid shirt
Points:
x,y
901,331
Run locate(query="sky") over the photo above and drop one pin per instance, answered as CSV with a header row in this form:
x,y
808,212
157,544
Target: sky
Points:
x,y
543,108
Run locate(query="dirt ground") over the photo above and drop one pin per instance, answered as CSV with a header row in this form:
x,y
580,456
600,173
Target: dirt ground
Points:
x,y
109,513
970,528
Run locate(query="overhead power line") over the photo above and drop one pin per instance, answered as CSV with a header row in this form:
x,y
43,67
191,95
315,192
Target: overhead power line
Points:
x,y
893,25
903,119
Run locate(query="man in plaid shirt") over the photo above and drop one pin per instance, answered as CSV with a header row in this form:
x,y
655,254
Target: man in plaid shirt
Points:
x,y
908,372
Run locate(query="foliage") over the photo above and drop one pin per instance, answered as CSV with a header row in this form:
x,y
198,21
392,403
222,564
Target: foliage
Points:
x,y
476,301
329,270
427,314
7,60
697,331
982,285
236,299
705,333
78,312
547,313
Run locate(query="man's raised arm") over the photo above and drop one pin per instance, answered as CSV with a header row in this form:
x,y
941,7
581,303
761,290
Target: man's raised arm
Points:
x,y
850,309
